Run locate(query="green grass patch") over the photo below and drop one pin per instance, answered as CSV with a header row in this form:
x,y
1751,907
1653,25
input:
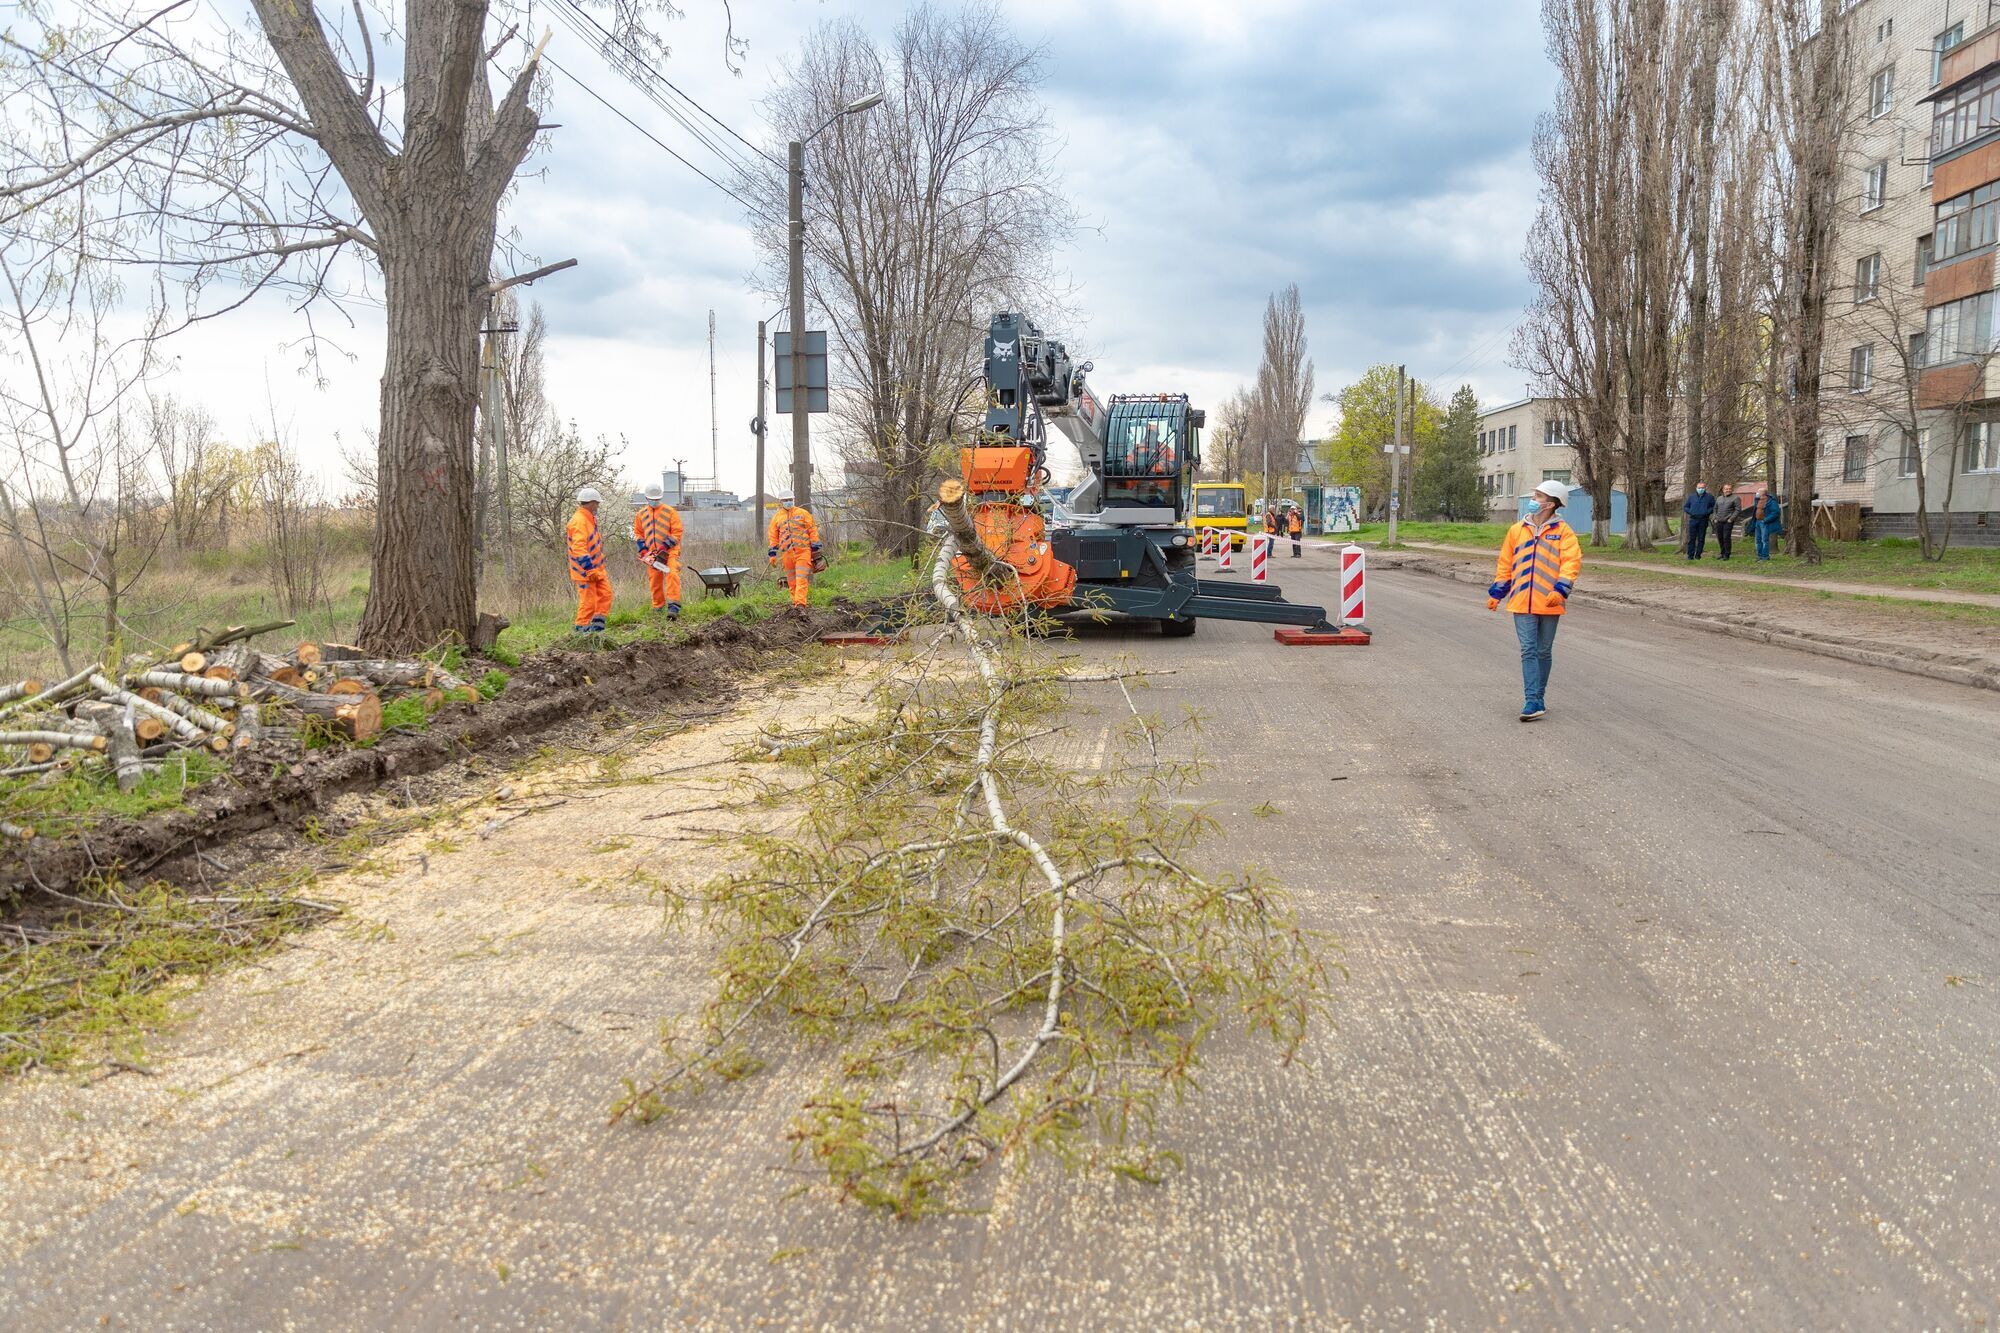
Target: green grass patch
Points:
x,y
94,980
491,684
90,791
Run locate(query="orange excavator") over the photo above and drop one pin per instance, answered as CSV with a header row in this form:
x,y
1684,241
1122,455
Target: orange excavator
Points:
x,y
1122,542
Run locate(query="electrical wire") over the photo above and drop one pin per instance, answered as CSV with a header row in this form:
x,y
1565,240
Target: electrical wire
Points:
x,y
662,144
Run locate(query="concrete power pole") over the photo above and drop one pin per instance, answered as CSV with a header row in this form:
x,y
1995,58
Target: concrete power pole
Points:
x,y
758,427
714,430
1396,457
801,400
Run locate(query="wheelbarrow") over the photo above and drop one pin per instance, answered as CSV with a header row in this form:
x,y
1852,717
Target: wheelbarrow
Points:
x,y
724,579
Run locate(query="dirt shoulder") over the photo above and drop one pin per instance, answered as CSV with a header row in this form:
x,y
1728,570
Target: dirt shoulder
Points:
x,y
1935,640
547,691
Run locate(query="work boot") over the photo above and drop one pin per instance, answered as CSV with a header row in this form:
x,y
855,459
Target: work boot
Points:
x,y
673,610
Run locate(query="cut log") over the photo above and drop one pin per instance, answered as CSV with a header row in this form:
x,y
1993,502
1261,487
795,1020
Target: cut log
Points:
x,y
26,770
348,685
105,715
356,716
249,726
203,686
19,690
486,632
20,831
194,663
454,687
177,724
343,652
60,690
57,740
387,673
234,662
213,723
123,749
306,654
286,675
433,700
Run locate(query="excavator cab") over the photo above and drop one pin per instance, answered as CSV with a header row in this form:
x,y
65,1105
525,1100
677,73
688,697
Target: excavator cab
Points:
x,y
1150,453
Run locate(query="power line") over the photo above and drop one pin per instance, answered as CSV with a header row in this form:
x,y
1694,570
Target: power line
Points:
x,y
657,140
641,61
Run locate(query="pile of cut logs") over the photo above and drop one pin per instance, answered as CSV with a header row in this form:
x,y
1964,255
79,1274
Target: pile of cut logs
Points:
x,y
217,693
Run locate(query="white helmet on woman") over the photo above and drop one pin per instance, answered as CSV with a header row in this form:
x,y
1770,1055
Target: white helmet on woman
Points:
x,y
1555,490
588,495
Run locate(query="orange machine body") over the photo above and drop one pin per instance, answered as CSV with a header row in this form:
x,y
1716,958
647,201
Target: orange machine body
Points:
x,y
1009,468
1016,534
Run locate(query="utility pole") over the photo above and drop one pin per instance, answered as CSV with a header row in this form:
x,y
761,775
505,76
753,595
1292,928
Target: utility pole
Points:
x,y
680,483
757,426
801,399
714,430
1396,458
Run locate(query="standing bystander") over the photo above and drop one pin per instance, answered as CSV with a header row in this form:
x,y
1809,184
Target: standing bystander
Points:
x,y
1727,510
1698,507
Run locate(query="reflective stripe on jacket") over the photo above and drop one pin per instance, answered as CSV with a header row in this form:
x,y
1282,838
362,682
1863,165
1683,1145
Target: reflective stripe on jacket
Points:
x,y
793,529
654,525
1531,565
586,547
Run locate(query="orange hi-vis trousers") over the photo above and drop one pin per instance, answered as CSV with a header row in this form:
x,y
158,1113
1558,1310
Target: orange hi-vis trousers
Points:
x,y
797,569
665,585
593,598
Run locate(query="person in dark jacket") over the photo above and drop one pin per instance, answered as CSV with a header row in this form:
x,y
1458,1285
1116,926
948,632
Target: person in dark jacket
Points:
x,y
1767,520
1698,508
1727,510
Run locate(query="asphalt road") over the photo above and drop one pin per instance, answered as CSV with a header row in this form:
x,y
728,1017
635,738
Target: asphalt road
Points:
x,y
1679,1009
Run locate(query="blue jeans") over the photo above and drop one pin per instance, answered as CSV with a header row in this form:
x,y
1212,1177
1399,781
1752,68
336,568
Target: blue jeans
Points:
x,y
1538,640
1763,535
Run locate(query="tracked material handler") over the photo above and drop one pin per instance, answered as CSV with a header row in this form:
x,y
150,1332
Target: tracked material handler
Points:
x,y
1122,543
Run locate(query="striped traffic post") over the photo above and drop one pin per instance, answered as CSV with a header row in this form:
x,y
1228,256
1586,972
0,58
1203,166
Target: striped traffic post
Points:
x,y
1222,555
1353,586
1260,558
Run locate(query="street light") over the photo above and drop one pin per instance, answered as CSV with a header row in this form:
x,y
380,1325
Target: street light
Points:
x,y
801,399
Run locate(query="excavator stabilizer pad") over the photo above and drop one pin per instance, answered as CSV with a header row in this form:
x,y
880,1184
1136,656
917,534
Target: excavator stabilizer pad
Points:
x,y
1347,636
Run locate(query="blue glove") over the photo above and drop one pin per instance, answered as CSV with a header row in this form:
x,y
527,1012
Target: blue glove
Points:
x,y
1496,591
668,543
773,553
1562,588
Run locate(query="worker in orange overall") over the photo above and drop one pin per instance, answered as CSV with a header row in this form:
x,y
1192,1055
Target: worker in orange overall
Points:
x,y
586,564
656,532
794,539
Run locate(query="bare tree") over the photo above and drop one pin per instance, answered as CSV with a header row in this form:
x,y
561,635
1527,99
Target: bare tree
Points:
x,y
922,218
198,472
1805,48
76,501
278,157
293,524
1229,437
1284,389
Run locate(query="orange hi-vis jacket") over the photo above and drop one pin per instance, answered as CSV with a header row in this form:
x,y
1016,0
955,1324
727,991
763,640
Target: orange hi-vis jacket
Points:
x,y
792,529
586,546
1536,571
656,531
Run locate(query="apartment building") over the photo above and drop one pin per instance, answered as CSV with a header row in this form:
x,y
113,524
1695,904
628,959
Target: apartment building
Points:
x,y
1520,444
1923,173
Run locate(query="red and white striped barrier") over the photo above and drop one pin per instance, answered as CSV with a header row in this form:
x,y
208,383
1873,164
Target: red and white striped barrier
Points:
x,y
1222,554
1353,585
1260,559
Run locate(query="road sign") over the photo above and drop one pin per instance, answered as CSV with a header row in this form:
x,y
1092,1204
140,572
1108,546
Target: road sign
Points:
x,y
781,351
1392,449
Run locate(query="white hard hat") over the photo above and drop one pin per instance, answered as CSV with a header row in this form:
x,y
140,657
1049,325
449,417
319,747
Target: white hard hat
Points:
x,y
587,495
655,491
1556,489
785,494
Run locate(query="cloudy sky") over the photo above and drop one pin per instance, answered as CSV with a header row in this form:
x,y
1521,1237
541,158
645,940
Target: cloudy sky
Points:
x,y
1376,155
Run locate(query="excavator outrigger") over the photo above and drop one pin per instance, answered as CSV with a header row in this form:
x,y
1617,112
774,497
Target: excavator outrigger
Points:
x,y
1125,544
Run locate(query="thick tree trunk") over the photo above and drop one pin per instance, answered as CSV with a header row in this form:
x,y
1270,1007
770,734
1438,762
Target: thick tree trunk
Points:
x,y
424,586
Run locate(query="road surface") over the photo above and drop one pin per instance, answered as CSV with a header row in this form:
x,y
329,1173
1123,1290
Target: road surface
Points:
x,y
1678,1009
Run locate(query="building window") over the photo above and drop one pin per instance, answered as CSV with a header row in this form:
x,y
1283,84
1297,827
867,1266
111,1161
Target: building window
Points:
x,y
1854,459
1918,346
1906,458
1867,277
1982,447
1882,93
1861,369
1959,330
1965,114
1947,39
1510,484
1510,436
1926,252
1558,474
1875,187
1966,222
